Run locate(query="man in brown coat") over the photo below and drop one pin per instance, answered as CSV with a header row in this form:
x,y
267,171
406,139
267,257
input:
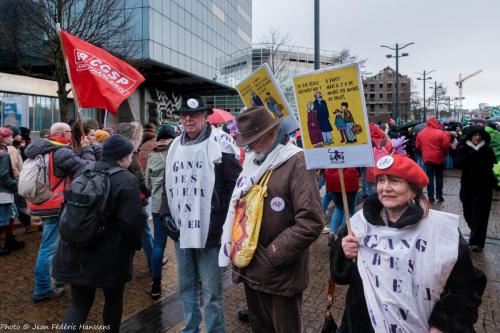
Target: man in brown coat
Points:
x,y
291,221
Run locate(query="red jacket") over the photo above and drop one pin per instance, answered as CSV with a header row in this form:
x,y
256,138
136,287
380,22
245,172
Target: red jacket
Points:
x,y
433,142
351,180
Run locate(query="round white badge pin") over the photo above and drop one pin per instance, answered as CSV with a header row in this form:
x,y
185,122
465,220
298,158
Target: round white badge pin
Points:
x,y
385,162
192,103
277,204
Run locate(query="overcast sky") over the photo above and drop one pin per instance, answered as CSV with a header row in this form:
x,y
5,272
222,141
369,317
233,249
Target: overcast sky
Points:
x,y
450,36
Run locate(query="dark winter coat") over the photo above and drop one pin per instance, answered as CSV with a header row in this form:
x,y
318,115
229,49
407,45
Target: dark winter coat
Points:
x,y
323,115
226,174
136,170
97,148
455,312
280,265
476,165
66,161
67,164
109,262
8,182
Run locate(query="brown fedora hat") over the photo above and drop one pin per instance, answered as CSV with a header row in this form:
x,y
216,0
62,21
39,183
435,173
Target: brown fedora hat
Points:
x,y
254,123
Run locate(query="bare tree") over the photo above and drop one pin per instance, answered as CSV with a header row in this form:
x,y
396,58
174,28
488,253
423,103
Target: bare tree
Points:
x,y
278,45
344,56
34,40
437,97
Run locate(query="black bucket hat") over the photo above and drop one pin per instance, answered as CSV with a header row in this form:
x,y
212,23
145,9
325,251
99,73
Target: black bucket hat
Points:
x,y
192,103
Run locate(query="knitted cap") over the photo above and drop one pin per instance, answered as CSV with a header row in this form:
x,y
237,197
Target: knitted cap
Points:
x,y
402,167
25,133
166,132
116,147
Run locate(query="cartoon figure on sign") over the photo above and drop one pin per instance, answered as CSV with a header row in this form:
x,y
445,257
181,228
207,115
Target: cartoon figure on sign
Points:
x,y
323,118
340,124
273,106
256,101
239,229
336,156
313,126
349,122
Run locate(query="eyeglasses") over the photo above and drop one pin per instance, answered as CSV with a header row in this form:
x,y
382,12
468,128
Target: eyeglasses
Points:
x,y
191,115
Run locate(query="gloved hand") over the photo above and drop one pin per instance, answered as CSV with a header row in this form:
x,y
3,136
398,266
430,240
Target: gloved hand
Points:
x,y
172,229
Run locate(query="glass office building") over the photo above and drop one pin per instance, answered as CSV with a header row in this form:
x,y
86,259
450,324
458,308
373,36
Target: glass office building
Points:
x,y
179,42
176,44
190,34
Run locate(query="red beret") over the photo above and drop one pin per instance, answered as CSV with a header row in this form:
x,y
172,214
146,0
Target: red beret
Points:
x,y
402,167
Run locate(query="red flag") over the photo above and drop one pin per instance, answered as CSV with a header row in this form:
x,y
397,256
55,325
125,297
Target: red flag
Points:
x,y
99,79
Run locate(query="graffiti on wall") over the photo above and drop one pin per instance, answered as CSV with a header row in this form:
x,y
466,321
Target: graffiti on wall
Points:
x,y
164,103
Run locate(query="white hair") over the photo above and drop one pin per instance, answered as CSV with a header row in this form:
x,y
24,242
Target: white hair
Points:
x,y
59,128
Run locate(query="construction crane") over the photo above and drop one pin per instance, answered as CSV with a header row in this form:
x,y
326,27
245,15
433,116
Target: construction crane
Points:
x,y
459,84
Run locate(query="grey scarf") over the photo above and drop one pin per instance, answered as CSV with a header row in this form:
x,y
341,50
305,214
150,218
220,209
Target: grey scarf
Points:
x,y
204,134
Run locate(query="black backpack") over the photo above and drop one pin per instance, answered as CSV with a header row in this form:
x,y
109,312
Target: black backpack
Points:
x,y
84,212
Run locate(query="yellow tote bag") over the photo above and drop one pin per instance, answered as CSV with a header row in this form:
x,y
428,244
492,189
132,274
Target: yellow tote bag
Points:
x,y
247,222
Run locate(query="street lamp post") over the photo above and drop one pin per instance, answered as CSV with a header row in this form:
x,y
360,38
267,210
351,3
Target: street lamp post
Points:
x,y
397,48
316,34
436,98
436,87
424,78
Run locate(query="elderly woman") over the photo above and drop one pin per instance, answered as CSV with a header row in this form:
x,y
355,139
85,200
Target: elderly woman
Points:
x,y
475,157
408,267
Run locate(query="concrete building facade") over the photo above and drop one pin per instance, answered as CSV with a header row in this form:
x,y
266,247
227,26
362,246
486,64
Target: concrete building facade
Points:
x,y
380,93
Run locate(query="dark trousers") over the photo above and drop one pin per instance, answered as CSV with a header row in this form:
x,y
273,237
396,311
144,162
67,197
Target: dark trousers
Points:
x,y
477,206
437,171
22,208
273,313
82,300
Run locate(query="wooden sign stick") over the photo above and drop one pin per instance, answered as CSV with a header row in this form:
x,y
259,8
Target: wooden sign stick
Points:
x,y
344,201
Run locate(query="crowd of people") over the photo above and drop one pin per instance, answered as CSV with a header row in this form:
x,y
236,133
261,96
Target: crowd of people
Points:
x,y
408,266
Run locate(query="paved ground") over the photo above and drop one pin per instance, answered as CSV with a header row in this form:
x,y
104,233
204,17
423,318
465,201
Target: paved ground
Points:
x,y
141,313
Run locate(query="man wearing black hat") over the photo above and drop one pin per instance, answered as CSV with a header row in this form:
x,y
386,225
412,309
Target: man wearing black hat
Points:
x,y
108,263
201,170
291,221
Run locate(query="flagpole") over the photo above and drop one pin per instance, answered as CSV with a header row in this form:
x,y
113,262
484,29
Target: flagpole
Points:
x,y
75,95
105,118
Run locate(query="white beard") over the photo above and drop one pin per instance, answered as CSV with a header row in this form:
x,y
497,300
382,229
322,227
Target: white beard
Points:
x,y
258,156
